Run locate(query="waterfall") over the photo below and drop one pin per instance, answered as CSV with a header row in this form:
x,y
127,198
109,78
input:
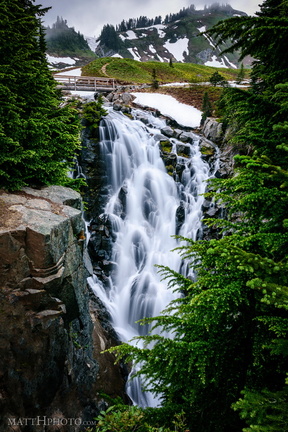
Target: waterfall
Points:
x,y
142,205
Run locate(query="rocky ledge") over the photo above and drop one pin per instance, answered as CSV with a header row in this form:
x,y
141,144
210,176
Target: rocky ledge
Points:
x,y
51,333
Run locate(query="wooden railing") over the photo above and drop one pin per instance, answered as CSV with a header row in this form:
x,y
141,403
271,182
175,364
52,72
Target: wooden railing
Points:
x,y
71,82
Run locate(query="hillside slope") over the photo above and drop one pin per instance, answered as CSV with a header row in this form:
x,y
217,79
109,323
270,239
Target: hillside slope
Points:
x,y
178,38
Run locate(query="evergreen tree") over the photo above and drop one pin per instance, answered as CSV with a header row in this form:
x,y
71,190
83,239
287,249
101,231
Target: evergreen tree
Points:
x,y
61,39
230,330
206,107
109,37
155,82
264,37
38,138
241,75
217,79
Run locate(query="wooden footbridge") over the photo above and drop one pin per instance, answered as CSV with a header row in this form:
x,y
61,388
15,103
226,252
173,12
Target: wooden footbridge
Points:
x,y
85,83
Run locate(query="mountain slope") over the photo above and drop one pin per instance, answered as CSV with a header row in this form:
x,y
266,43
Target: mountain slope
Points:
x,y
178,39
65,46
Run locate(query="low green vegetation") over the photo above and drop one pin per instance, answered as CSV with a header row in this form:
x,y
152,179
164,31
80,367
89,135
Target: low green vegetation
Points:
x,y
120,418
132,71
92,113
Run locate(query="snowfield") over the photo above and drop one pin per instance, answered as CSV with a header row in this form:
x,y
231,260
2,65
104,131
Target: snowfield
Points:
x,y
185,115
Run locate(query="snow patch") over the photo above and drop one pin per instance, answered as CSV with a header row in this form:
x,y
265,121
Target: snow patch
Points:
x,y
160,28
131,35
230,63
177,48
175,84
202,29
185,115
210,41
72,72
92,42
117,55
134,53
84,94
216,63
160,59
55,60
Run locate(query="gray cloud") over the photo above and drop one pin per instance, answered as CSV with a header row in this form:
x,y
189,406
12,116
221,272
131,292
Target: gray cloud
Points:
x,y
89,16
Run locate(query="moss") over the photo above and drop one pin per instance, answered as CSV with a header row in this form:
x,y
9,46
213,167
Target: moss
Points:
x,y
166,146
183,155
128,115
207,151
170,170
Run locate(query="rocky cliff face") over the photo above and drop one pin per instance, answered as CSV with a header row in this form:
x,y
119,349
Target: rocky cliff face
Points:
x,y
51,326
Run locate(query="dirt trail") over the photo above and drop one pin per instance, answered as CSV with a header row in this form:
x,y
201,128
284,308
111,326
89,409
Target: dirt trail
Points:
x,y
103,69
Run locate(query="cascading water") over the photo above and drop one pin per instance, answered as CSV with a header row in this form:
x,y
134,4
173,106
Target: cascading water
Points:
x,y
142,207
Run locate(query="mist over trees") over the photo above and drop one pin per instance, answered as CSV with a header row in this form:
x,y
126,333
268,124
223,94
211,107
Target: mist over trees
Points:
x,y
144,21
63,39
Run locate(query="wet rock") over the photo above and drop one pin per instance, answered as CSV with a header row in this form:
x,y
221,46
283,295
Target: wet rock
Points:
x,y
207,148
180,217
160,137
101,242
117,106
183,150
213,130
127,98
94,169
167,131
206,204
122,196
177,133
187,137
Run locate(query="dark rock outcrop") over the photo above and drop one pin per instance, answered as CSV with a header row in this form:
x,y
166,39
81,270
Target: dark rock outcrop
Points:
x,y
51,326
213,131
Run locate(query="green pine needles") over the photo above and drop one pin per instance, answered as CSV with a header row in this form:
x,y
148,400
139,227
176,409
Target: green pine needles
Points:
x,y
38,136
226,366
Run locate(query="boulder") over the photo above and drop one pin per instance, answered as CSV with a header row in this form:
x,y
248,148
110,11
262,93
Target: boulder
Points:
x,y
213,130
167,131
49,348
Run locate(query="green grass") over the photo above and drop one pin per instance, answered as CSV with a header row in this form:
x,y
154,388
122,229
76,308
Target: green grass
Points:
x,y
132,71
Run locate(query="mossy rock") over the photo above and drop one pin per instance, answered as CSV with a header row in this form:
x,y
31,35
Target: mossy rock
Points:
x,y
183,155
166,146
128,115
170,170
207,149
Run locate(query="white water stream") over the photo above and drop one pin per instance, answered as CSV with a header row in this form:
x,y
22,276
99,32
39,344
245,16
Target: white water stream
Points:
x,y
144,234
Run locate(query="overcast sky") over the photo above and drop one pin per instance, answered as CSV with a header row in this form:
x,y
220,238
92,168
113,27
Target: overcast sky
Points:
x,y
89,16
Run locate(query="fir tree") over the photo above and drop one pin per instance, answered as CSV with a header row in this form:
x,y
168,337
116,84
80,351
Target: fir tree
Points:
x,y
61,39
155,82
241,75
206,107
109,38
228,357
217,79
38,138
